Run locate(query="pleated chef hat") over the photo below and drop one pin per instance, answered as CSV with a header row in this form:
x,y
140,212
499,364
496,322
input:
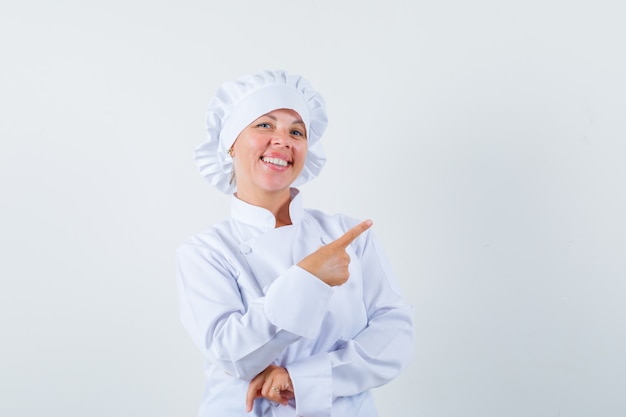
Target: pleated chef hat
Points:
x,y
238,103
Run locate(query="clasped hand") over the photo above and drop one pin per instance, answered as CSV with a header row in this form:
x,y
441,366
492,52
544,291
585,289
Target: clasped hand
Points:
x,y
273,383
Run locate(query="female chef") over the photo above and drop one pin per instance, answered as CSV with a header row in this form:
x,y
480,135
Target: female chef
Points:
x,y
297,312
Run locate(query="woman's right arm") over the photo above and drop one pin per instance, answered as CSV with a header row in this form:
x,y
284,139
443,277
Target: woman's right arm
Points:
x,y
239,341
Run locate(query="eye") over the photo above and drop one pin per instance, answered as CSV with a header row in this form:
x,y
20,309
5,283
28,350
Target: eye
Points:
x,y
298,132
264,125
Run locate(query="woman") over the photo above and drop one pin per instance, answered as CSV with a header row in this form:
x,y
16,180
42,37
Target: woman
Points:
x,y
297,312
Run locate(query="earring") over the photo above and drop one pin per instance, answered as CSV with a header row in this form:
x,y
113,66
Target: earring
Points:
x,y
230,152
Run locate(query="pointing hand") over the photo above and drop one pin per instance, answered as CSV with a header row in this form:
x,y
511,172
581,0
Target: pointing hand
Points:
x,y
330,262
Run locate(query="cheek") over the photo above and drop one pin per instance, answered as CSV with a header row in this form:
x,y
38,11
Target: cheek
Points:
x,y
302,149
301,156
245,148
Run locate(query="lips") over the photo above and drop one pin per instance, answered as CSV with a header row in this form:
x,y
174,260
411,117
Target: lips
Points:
x,y
275,161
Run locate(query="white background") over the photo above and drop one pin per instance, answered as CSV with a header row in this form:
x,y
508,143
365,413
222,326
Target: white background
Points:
x,y
486,139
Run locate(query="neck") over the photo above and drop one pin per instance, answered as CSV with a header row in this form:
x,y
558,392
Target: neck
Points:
x,y
277,203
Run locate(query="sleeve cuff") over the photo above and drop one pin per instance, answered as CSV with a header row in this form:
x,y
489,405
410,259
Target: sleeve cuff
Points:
x,y
313,388
297,301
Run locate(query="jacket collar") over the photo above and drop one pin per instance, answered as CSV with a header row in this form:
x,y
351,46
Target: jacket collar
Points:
x,y
261,217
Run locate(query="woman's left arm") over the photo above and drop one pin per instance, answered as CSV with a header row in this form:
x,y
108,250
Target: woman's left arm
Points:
x,y
374,356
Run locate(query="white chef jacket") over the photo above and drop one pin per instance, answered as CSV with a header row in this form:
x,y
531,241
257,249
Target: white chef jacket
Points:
x,y
246,305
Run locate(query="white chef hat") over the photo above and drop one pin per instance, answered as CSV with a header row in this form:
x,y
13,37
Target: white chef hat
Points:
x,y
238,103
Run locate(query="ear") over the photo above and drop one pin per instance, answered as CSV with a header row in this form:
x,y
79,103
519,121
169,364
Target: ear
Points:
x,y
231,150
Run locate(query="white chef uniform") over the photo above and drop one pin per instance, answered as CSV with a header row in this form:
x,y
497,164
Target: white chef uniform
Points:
x,y
246,304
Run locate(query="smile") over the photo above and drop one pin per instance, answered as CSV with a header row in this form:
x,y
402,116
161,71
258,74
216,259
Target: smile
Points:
x,y
275,161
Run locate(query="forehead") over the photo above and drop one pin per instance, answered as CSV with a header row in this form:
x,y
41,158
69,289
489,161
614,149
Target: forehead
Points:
x,y
288,115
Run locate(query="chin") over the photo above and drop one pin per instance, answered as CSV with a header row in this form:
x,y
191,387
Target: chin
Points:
x,y
277,185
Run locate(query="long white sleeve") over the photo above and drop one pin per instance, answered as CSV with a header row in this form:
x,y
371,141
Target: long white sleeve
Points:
x,y
370,359
244,341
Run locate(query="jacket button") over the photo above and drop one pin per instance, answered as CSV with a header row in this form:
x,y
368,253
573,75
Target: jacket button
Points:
x,y
245,249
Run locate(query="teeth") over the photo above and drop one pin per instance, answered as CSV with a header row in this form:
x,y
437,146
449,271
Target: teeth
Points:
x,y
275,161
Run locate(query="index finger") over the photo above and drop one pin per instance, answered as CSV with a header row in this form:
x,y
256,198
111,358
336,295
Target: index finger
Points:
x,y
353,233
253,392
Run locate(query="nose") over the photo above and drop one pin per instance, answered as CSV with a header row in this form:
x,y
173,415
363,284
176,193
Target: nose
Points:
x,y
281,138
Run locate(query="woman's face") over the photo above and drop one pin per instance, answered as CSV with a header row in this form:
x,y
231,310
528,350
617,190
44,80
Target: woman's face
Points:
x,y
269,154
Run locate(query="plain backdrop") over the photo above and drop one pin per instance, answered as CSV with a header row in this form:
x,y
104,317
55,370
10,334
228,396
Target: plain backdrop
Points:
x,y
486,140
